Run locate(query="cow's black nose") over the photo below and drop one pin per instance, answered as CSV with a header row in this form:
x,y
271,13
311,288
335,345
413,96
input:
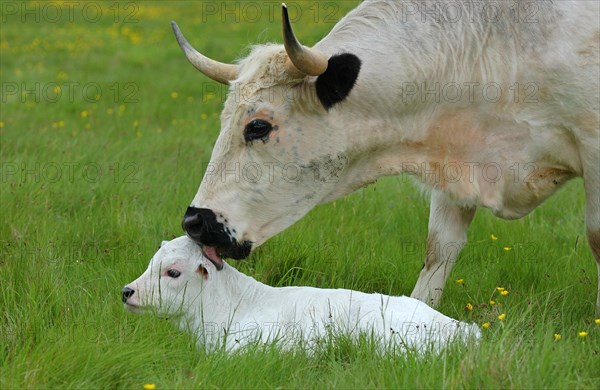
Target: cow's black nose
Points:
x,y
192,222
126,292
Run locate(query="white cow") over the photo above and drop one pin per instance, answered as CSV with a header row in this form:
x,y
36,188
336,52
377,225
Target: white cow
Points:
x,y
489,104
229,309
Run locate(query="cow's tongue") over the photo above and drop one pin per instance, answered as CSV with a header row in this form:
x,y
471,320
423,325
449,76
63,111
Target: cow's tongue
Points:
x,y
210,252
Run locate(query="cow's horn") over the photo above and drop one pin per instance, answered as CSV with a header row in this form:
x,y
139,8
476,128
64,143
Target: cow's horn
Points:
x,y
310,62
218,71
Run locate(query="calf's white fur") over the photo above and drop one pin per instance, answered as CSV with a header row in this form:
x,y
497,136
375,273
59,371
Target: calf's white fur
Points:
x,y
229,309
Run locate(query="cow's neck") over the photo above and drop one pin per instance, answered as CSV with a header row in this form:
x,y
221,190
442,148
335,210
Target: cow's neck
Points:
x,y
401,116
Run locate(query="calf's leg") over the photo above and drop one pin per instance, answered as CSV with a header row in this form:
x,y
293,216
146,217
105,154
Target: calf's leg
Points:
x,y
447,235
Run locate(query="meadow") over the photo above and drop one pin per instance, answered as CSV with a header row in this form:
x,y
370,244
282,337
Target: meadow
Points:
x,y
106,131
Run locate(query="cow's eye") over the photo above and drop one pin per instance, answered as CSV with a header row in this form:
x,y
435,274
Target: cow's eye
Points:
x,y
257,129
173,273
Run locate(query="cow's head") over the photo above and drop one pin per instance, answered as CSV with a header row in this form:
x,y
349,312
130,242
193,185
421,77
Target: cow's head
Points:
x,y
281,149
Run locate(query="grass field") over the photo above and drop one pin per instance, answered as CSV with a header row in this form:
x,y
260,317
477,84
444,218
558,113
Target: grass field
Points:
x,y
105,133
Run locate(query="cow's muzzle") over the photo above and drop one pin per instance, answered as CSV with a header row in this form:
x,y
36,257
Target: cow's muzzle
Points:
x,y
214,237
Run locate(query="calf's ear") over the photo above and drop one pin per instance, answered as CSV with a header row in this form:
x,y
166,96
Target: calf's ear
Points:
x,y
335,84
202,271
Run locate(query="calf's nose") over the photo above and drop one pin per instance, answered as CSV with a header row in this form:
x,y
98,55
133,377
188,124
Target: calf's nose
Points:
x,y
126,292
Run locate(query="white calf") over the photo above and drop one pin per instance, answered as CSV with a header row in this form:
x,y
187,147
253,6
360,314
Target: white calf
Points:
x,y
230,309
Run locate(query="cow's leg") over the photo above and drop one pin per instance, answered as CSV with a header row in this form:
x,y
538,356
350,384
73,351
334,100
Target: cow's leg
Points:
x,y
594,240
591,179
447,235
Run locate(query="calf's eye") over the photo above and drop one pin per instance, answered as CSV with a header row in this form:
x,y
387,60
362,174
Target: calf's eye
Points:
x,y
257,129
173,273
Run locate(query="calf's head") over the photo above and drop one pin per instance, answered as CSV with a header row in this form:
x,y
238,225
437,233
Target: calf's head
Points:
x,y
176,278
281,148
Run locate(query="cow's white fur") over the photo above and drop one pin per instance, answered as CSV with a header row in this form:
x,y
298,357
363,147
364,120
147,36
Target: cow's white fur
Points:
x,y
229,309
511,154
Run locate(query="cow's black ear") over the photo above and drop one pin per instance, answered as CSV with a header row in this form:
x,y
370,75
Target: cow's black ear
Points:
x,y
335,84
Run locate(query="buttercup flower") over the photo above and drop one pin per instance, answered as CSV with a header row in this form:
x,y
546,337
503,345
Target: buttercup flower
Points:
x,y
460,282
58,124
583,333
494,238
174,95
492,302
504,292
597,321
500,289
507,248
557,336
149,386
485,325
469,307
502,316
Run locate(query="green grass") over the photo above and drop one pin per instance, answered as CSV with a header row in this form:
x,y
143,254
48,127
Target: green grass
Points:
x,y
91,183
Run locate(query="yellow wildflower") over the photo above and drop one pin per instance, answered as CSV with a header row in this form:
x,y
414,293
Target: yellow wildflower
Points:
x,y
136,123
504,292
1,124
492,302
502,316
507,248
135,38
84,114
597,321
203,116
494,238
583,333
500,289
149,386
469,307
557,336
485,325
460,282
58,124
174,95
